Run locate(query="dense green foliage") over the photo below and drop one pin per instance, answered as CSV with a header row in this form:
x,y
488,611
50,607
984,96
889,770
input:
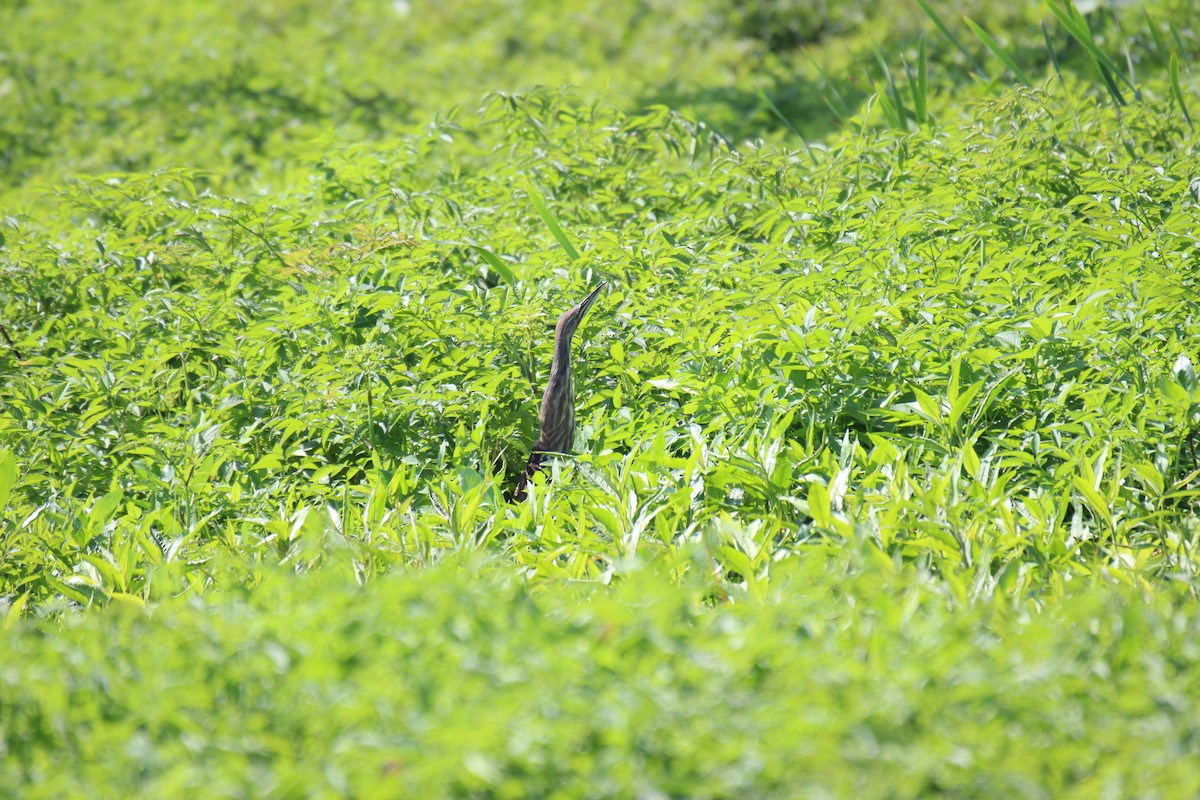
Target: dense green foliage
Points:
x,y
902,414
963,359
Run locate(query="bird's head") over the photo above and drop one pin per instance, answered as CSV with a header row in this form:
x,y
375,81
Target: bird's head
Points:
x,y
570,321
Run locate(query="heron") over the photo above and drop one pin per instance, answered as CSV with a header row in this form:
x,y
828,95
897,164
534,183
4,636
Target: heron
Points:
x,y
557,416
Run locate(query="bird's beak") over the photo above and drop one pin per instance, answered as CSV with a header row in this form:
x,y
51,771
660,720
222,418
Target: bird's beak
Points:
x,y
591,298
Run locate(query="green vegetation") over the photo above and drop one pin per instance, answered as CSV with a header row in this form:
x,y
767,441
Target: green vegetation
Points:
x,y
446,683
887,480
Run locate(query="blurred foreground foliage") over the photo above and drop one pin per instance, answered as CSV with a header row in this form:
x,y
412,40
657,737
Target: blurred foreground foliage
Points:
x,y
845,679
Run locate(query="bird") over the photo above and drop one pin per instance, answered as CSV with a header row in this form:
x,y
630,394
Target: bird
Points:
x,y
556,419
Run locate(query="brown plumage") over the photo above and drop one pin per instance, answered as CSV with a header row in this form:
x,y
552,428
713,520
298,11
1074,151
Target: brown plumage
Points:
x,y
557,417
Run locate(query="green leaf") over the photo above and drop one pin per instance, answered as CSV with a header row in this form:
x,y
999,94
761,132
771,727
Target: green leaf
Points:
x,y
551,223
1095,501
268,462
999,52
8,476
103,509
495,263
1173,393
930,407
15,609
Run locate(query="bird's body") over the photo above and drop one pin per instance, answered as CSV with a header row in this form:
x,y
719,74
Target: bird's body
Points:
x,y
557,416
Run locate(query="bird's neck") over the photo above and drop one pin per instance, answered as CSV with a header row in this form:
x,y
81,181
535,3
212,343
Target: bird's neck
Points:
x,y
558,402
560,367
559,382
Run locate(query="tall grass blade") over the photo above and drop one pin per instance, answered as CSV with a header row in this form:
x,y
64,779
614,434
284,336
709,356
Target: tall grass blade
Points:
x,y
1179,48
891,102
1173,67
840,110
916,85
999,52
890,112
1076,25
1159,44
1110,84
941,26
1053,56
920,89
544,212
779,115
1137,93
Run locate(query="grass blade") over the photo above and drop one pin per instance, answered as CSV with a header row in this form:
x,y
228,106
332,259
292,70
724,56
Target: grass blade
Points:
x,y
1110,84
891,102
1187,63
1159,44
838,104
921,89
1053,56
1075,24
544,212
1137,93
779,115
1173,67
941,26
999,52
